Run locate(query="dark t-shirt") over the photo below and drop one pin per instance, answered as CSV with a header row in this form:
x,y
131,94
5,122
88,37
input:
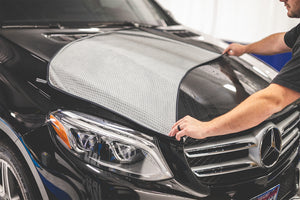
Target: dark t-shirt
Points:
x,y
289,76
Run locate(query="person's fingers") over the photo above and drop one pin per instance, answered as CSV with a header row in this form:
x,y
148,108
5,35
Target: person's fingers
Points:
x,y
180,134
182,123
178,122
176,129
173,131
226,50
230,52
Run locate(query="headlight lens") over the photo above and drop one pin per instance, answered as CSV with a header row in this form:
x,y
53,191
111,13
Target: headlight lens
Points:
x,y
108,145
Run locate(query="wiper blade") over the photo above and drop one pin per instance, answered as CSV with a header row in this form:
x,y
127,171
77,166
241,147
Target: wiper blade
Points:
x,y
124,23
31,26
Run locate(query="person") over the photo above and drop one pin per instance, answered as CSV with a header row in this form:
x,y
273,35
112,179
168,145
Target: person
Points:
x,y
283,90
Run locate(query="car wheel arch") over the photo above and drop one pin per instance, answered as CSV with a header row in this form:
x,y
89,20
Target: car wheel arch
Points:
x,y
8,132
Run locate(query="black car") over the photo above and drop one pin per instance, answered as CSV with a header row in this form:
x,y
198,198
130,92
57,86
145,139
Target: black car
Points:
x,y
89,90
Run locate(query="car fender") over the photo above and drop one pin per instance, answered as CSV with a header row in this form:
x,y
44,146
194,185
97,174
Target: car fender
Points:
x,y
6,128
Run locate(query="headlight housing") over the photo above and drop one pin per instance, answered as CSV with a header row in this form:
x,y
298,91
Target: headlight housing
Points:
x,y
104,144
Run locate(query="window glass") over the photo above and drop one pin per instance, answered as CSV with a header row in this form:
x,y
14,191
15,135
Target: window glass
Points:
x,y
59,11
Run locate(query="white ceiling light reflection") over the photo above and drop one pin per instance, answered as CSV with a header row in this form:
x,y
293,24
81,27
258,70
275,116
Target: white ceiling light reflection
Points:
x,y
89,29
13,115
230,87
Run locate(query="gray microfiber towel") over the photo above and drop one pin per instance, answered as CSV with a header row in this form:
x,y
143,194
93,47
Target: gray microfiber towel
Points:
x,y
134,73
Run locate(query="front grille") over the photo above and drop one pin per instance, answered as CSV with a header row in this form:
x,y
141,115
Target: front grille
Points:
x,y
228,159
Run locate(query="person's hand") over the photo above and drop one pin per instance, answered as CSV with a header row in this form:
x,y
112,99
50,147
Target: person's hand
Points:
x,y
235,49
189,126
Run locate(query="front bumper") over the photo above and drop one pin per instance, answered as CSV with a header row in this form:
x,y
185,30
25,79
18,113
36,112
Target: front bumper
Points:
x,y
65,179
150,195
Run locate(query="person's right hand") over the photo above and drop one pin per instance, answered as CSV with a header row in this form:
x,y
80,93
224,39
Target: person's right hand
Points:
x,y
235,49
191,127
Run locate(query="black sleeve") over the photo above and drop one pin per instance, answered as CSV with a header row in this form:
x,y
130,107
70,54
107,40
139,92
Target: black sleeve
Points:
x,y
289,76
291,36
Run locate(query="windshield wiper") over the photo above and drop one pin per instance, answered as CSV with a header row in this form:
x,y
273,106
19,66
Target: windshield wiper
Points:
x,y
77,24
124,23
31,26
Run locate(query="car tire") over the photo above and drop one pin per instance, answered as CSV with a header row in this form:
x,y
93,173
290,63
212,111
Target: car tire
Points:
x,y
16,181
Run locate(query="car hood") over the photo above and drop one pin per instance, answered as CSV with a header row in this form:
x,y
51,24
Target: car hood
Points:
x,y
133,73
217,87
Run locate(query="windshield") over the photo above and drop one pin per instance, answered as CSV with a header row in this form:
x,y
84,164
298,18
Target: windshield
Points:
x,y
81,11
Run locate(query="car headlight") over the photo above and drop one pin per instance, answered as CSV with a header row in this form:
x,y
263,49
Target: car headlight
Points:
x,y
101,143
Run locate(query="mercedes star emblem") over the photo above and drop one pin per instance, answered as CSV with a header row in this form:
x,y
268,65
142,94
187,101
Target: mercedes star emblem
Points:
x,y
270,147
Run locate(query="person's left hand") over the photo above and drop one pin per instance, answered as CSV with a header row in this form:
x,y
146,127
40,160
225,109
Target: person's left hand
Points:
x,y
235,49
189,126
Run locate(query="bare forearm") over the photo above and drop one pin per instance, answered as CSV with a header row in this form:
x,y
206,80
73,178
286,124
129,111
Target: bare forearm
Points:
x,y
248,114
251,112
270,45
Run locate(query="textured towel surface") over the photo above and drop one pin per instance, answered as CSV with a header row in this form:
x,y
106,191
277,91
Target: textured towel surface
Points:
x,y
135,74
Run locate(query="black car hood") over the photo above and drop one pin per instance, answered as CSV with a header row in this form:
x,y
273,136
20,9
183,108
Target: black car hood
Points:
x,y
149,76
133,73
217,87
36,41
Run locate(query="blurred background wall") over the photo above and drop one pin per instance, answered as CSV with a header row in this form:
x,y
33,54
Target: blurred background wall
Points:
x,y
242,21
232,20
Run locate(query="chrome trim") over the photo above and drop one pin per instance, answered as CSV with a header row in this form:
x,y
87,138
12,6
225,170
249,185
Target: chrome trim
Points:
x,y
286,122
218,168
291,142
290,134
245,142
290,137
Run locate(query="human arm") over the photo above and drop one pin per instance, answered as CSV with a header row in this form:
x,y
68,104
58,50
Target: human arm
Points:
x,y
270,45
251,112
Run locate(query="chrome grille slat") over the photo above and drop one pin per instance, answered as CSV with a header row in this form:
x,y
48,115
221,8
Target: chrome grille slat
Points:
x,y
225,146
287,122
290,137
210,151
220,168
290,141
291,127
